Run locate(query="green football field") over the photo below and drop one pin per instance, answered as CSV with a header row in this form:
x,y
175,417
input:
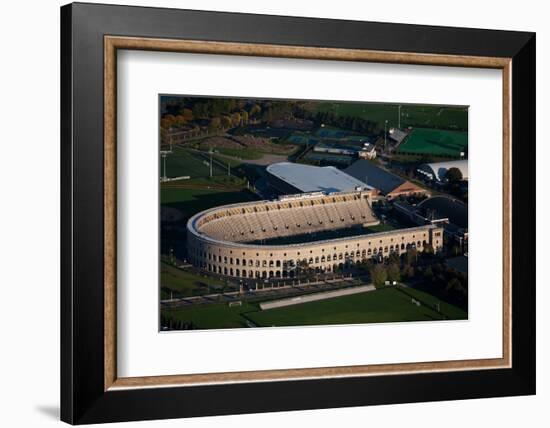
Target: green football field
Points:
x,y
383,305
435,142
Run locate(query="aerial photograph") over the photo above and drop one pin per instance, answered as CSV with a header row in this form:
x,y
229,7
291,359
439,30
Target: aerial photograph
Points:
x,y
285,213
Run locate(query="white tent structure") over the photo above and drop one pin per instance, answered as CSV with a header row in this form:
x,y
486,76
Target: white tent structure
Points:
x,y
438,170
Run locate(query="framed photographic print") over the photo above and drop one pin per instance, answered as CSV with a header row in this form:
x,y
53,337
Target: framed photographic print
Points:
x,y
265,213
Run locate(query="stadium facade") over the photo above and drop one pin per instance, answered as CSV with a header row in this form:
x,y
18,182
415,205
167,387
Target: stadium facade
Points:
x,y
233,240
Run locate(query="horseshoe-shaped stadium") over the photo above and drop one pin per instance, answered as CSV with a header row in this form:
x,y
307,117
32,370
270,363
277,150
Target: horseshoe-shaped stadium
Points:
x,y
278,238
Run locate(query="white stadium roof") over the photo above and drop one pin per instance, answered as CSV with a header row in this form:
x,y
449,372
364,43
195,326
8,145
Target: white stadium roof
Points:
x,y
308,178
439,169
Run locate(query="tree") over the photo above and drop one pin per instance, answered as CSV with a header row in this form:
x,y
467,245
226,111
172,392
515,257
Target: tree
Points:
x,y
393,272
244,117
201,110
215,123
393,258
180,120
378,274
187,114
226,122
255,110
302,266
236,119
429,249
411,256
428,274
408,272
454,175
454,285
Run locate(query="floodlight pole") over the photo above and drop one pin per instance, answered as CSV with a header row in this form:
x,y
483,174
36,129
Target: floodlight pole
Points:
x,y
385,133
164,162
399,117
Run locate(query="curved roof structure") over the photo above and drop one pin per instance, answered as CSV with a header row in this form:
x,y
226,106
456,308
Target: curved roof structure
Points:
x,y
308,178
438,170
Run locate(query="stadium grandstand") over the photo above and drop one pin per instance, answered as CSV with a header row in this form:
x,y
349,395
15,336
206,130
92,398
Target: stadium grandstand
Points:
x,y
229,240
438,170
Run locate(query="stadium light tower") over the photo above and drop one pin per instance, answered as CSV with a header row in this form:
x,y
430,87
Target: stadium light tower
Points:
x,y
399,117
385,134
164,164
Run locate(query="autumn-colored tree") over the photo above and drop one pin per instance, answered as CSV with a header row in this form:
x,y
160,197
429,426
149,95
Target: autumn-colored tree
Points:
x,y
167,121
236,119
180,120
187,114
226,122
255,110
215,123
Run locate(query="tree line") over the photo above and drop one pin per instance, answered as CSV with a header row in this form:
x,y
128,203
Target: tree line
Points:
x,y
423,268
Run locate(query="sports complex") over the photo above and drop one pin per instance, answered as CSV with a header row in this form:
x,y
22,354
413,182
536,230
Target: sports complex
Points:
x,y
271,216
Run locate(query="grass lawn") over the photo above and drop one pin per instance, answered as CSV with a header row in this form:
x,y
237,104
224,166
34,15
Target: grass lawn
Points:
x,y
185,283
182,162
411,115
391,304
382,227
451,311
436,142
231,182
191,201
234,163
384,305
218,315
240,153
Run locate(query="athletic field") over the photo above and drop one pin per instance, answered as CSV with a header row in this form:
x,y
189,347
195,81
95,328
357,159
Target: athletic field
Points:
x,y
384,305
449,117
183,162
435,142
